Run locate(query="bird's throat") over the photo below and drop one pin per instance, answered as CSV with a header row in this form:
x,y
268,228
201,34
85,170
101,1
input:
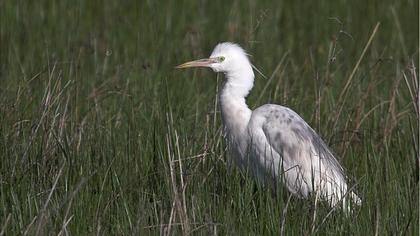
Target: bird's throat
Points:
x,y
234,110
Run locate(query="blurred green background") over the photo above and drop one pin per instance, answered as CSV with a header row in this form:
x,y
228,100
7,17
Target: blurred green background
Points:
x,y
100,135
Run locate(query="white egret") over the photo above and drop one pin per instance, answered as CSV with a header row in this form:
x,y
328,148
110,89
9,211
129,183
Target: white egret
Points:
x,y
273,142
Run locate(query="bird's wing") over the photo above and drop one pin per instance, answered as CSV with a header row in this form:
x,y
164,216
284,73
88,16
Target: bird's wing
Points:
x,y
285,137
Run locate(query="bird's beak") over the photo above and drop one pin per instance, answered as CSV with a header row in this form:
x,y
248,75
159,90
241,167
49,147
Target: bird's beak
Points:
x,y
197,63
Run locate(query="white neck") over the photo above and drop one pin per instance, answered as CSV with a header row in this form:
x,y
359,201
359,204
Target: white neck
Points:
x,y
235,112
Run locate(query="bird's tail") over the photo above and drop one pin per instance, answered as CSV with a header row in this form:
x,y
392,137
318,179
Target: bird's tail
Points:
x,y
349,201
340,196
355,199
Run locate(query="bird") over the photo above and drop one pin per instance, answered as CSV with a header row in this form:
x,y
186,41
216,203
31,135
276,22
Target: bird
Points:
x,y
272,142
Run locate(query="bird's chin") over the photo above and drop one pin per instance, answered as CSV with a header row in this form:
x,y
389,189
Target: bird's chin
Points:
x,y
215,69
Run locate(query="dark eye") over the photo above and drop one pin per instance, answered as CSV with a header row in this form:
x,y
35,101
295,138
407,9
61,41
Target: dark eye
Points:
x,y
221,59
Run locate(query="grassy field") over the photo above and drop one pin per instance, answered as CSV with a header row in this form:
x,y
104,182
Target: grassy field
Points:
x,y
100,135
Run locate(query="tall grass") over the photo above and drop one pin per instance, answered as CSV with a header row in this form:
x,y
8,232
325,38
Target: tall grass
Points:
x,y
100,135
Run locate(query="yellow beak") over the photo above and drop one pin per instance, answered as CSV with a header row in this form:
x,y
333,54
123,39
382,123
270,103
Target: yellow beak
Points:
x,y
197,63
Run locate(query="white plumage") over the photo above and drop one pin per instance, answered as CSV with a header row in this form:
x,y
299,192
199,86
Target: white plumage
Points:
x,y
273,142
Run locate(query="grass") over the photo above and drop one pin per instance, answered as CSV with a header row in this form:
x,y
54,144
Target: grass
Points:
x,y
100,135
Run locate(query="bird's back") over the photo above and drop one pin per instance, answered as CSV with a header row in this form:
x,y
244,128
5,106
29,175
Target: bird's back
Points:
x,y
284,146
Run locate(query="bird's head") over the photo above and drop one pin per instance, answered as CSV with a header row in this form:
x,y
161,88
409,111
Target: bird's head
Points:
x,y
226,57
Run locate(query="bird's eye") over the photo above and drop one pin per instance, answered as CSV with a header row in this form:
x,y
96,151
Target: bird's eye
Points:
x,y
221,59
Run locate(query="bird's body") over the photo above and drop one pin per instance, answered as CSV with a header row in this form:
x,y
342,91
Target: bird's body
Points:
x,y
273,142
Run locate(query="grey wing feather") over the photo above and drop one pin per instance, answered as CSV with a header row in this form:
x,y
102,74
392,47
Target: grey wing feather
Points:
x,y
297,145
286,131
